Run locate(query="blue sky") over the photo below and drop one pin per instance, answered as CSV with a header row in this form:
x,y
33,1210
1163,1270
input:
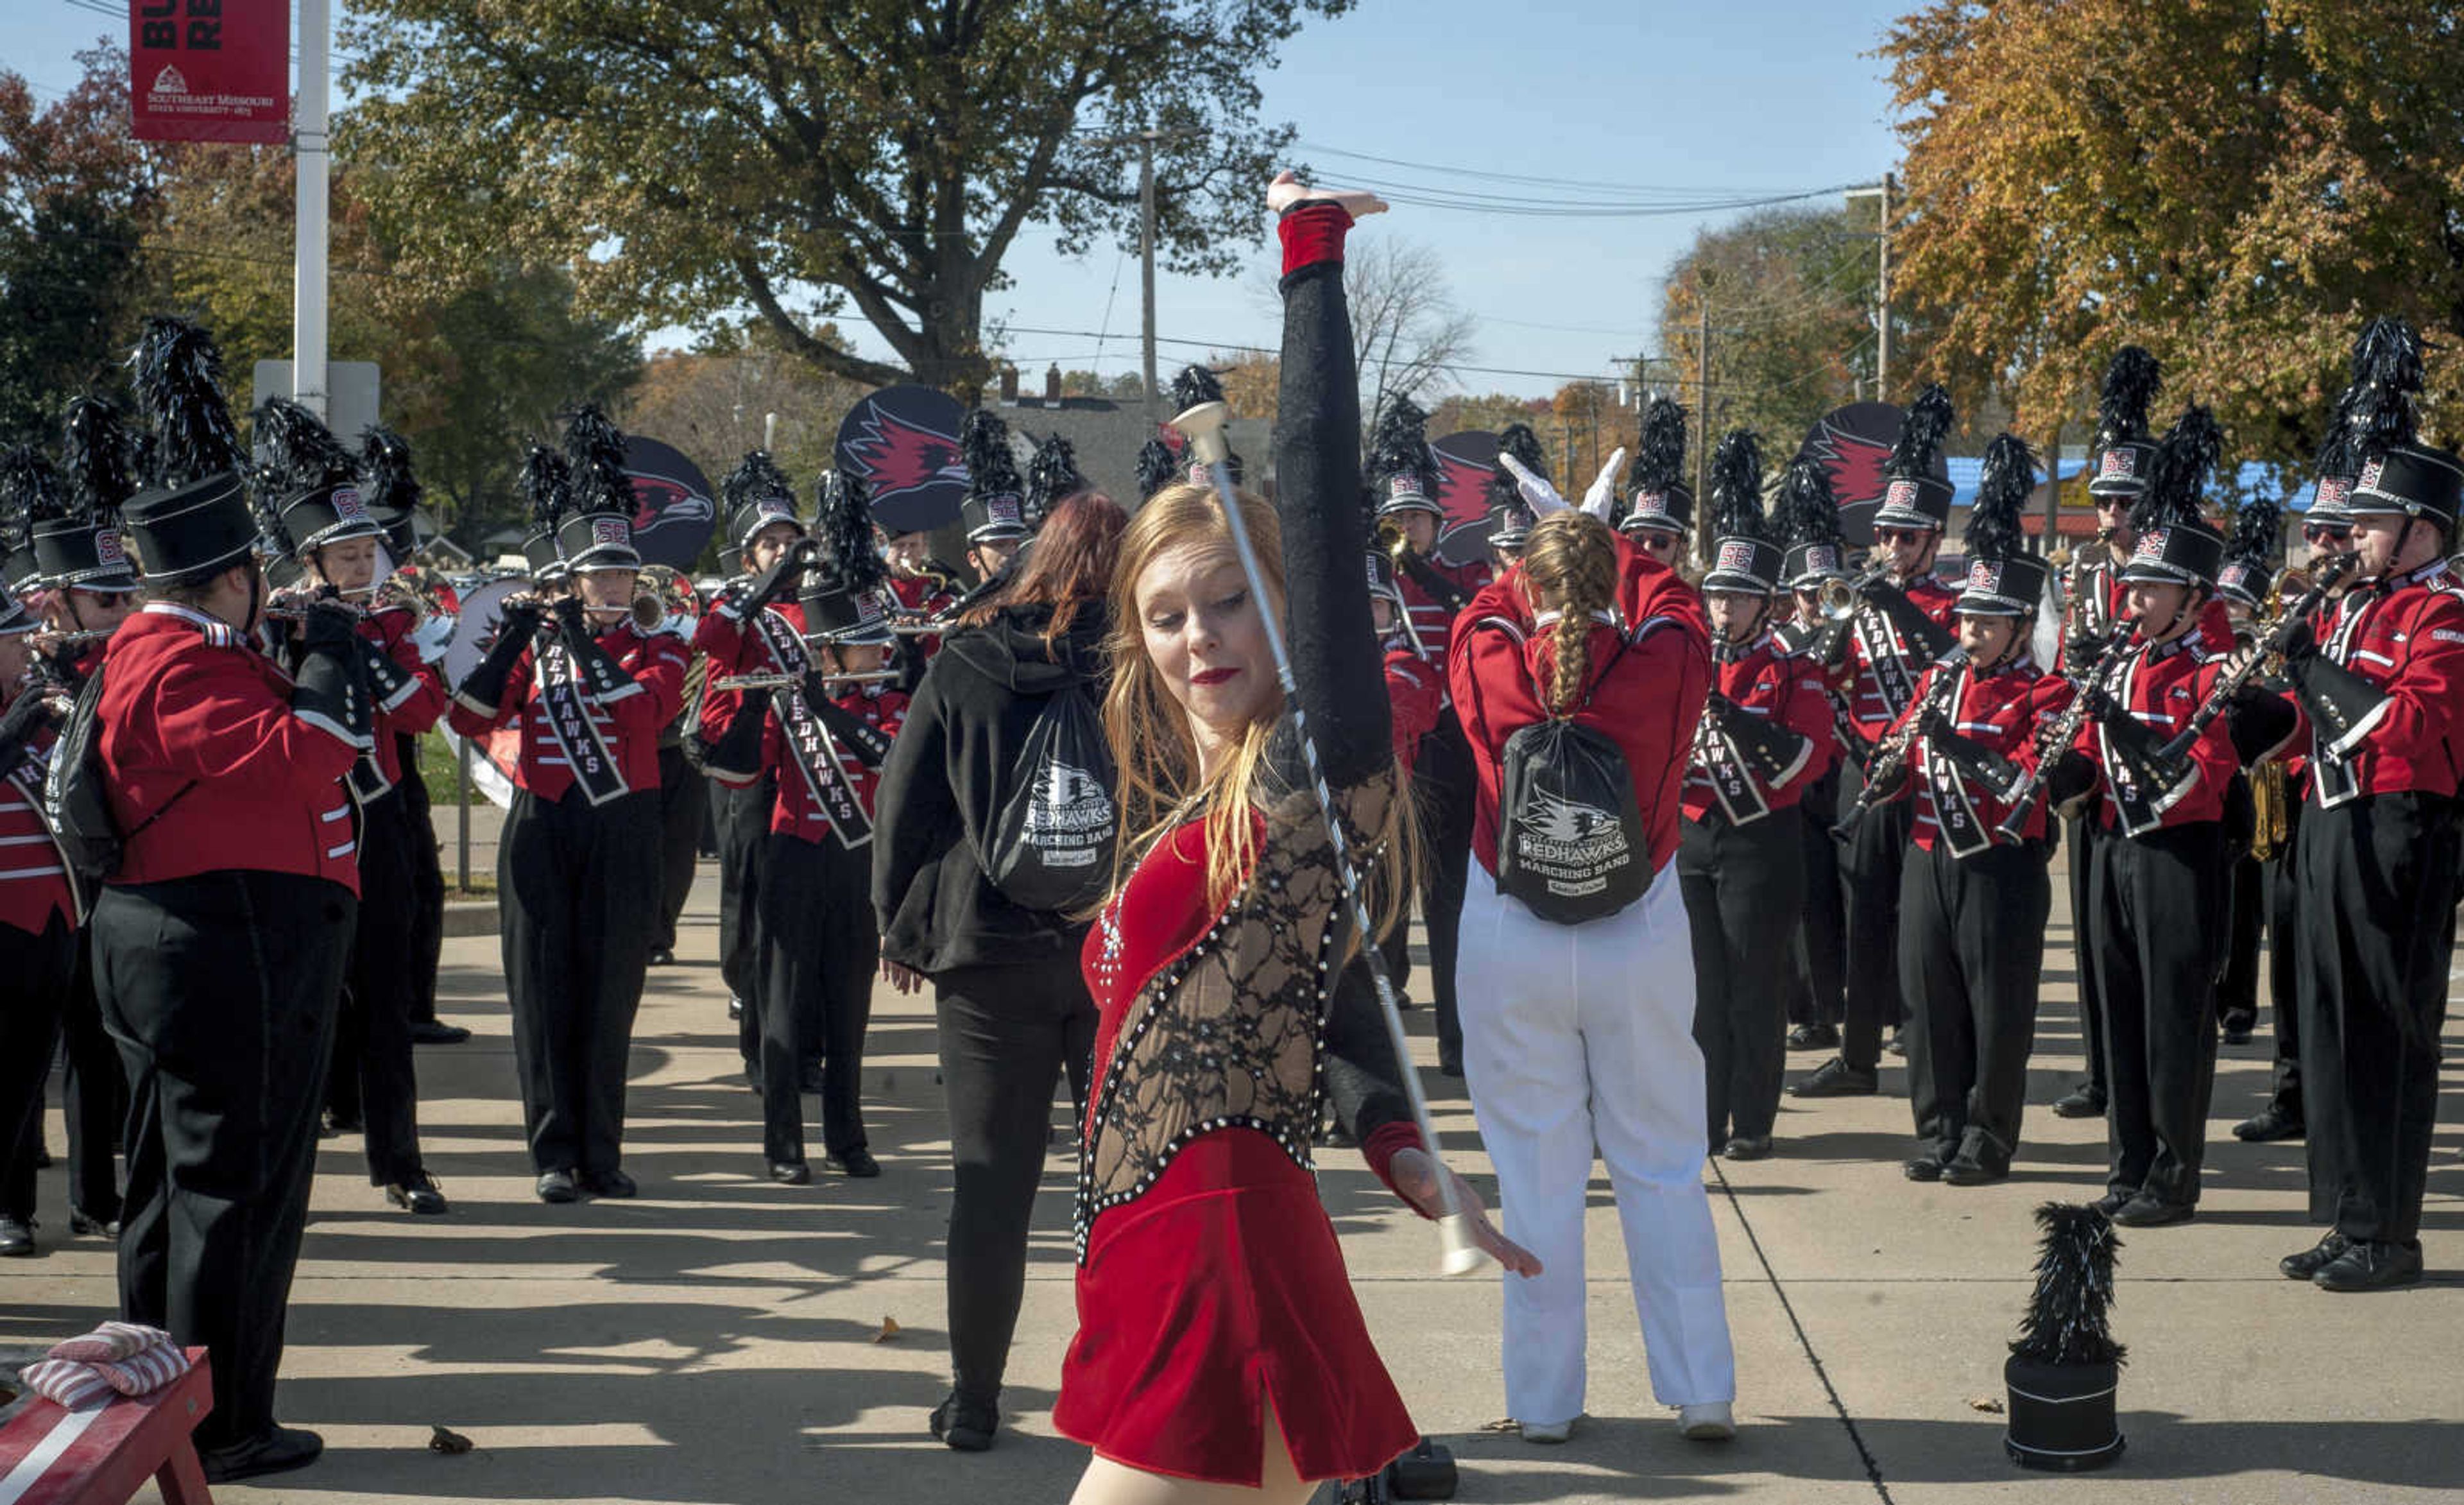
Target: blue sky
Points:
x,y
1730,100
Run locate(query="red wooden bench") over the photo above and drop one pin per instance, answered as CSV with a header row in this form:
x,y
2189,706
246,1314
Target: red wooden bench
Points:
x,y
104,1454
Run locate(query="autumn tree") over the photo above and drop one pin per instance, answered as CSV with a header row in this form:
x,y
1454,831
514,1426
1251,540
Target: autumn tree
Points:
x,y
1790,296
2236,185
76,195
701,157
710,403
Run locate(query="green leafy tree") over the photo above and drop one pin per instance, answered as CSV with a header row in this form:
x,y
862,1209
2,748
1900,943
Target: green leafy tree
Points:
x,y
2236,185
703,157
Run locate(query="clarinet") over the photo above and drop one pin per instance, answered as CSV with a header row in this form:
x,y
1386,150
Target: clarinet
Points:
x,y
2063,732
1891,754
2329,572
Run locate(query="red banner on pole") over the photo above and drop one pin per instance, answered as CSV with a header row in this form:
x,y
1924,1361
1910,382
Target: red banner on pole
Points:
x,y
210,70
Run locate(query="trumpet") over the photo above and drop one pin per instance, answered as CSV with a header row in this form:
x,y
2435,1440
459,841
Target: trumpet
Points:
x,y
782,682
1838,600
1392,542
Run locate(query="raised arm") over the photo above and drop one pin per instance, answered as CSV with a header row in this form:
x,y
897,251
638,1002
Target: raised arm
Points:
x,y
1337,659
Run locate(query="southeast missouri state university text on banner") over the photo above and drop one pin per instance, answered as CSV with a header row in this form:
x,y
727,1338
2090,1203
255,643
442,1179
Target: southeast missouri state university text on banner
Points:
x,y
210,70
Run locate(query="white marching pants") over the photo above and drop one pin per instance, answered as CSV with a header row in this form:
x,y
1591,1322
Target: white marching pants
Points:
x,y
1577,1036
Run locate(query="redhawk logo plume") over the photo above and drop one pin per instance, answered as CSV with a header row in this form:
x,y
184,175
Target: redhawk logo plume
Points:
x,y
898,457
1855,462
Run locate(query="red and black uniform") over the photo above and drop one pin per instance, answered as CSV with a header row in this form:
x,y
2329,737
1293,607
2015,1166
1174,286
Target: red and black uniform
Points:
x,y
577,866
818,944
1434,593
1416,697
928,595
38,942
1972,909
373,1078
2156,908
2382,705
1886,662
1740,866
218,956
737,637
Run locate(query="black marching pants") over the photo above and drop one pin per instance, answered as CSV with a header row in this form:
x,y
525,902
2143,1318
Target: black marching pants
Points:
x,y
93,1092
1444,786
1971,955
221,990
2282,886
2378,914
580,888
2245,917
1870,865
742,816
1818,950
1006,1033
2156,907
2084,836
1739,884
426,886
682,804
38,965
819,953
373,1076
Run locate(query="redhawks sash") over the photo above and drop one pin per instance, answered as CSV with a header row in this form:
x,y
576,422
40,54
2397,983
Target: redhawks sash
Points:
x,y
815,752
576,735
1893,674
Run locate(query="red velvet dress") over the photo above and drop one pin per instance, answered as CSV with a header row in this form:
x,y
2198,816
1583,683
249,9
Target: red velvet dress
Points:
x,y
1210,1278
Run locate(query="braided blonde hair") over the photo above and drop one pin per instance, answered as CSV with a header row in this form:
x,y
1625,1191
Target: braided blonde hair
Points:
x,y
1570,563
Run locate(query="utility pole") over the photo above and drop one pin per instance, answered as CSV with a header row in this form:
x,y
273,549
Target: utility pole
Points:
x,y
1882,286
1702,400
309,200
1146,267
2053,493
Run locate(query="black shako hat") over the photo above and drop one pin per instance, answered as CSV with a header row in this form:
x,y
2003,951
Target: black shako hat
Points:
x,y
1913,496
994,508
1510,518
80,544
2003,577
187,533
1743,556
757,495
2125,452
598,533
2176,543
1660,503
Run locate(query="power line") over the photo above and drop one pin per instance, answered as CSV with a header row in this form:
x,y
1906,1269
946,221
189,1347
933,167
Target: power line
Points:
x,y
1635,188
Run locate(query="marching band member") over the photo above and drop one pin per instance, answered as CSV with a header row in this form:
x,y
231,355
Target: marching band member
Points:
x,y
755,625
1808,515
2094,622
219,943
1902,625
577,865
2380,697
38,911
1763,738
317,516
820,740
393,492
1201,1239
1581,1032
1975,894
994,509
2245,582
2156,881
922,588
1405,470
1511,516
1660,511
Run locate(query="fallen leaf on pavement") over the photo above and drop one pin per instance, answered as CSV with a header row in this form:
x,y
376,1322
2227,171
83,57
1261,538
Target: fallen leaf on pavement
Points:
x,y
889,1330
1990,1404
441,1440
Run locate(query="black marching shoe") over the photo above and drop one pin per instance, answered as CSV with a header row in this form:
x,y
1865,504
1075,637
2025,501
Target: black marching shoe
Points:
x,y
857,1163
1749,1148
753,1078
2237,1028
1814,1037
790,1173
282,1449
432,1031
1921,1167
663,956
965,1425
1899,1045
16,1237
1836,1078
1450,1062
2316,1259
2370,1265
1974,1167
2147,1210
606,1183
557,1185
2269,1125
735,1006
87,1225
2086,1100
2113,1202
417,1194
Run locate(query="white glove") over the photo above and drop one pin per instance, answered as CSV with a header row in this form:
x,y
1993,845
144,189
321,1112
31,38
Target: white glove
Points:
x,y
1601,499
1288,190
1535,489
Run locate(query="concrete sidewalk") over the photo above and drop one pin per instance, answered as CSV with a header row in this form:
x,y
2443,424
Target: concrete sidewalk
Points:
x,y
724,1339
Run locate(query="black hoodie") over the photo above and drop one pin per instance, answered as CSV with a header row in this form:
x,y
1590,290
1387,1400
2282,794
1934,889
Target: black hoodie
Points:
x,y
945,776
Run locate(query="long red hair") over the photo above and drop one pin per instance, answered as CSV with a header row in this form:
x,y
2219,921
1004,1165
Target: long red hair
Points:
x,y
1069,564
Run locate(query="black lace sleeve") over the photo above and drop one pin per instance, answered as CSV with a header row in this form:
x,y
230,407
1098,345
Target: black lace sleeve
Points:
x,y
1336,665
1361,1072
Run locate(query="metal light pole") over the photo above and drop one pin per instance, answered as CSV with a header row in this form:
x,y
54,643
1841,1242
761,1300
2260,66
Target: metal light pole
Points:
x,y
1882,284
312,164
